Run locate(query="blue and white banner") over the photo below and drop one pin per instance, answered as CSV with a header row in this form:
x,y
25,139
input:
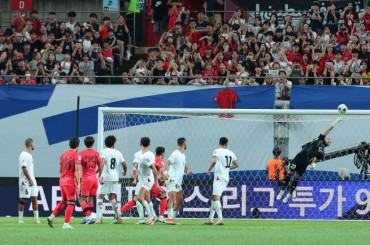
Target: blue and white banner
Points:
x,y
312,200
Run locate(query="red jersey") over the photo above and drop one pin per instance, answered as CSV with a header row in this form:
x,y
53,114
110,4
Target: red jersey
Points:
x,y
158,163
226,98
90,159
68,161
367,21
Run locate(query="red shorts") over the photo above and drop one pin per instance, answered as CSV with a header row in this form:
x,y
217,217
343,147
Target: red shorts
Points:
x,y
68,192
89,187
161,193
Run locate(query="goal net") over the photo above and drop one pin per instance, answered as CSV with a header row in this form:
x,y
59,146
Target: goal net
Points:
x,y
338,188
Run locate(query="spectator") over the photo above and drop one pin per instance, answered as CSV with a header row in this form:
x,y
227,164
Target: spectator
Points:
x,y
74,75
122,34
18,43
63,78
59,56
28,80
51,23
158,72
2,42
331,17
41,74
35,43
107,53
50,63
37,58
86,66
60,32
68,44
27,53
66,64
87,41
55,73
366,18
71,24
104,29
77,53
127,79
198,80
316,18
350,17
79,33
92,25
268,81
302,21
140,72
20,21
209,73
35,22
173,75
173,13
159,13
283,87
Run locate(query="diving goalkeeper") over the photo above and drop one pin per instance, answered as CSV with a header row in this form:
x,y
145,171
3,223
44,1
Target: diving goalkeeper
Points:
x,y
311,153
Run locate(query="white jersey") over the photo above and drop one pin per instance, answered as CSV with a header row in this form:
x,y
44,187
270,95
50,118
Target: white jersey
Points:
x,y
177,166
145,173
137,156
113,158
225,159
26,160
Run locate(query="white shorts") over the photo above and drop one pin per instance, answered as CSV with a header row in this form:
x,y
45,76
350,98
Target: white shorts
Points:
x,y
173,185
26,191
219,187
147,184
109,187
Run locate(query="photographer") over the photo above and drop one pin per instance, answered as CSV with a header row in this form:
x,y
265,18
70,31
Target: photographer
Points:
x,y
283,87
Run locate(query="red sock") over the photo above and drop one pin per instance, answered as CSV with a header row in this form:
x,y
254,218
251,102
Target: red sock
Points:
x,y
58,208
69,212
90,208
128,206
162,206
85,208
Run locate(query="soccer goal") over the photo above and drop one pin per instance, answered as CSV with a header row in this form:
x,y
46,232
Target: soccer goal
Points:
x,y
336,189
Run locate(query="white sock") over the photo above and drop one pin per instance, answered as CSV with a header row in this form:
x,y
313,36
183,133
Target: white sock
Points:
x,y
52,216
36,214
218,209
152,209
161,217
140,209
99,209
20,214
170,213
115,208
212,211
147,209
175,213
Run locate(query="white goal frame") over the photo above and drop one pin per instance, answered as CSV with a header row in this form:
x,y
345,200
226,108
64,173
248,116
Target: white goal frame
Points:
x,y
102,110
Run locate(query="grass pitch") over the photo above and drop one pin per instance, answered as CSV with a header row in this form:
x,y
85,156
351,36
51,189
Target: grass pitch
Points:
x,y
188,231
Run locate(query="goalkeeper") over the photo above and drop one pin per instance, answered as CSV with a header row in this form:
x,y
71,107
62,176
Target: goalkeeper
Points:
x,y
311,153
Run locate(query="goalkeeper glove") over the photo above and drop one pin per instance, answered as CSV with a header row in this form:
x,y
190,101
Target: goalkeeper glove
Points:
x,y
312,166
339,119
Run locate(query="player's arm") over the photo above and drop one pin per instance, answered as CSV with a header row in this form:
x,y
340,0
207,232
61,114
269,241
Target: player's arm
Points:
x,y
165,169
100,166
213,163
234,165
78,176
27,174
134,172
124,167
100,175
187,170
333,124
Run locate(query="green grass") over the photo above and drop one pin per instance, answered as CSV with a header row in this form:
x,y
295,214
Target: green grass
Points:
x,y
189,231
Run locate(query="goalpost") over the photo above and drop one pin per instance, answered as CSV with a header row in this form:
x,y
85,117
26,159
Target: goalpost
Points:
x,y
252,134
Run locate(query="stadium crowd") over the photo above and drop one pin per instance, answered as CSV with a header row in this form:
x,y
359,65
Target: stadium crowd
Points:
x,y
322,48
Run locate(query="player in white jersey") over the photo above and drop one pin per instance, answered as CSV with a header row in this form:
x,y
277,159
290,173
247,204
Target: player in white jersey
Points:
x,y
27,182
108,180
175,167
134,201
223,160
147,177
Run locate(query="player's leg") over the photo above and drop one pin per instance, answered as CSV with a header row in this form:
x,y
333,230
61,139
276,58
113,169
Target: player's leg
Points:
x,y
70,192
142,199
35,207
102,191
170,206
292,186
219,187
59,206
285,182
85,192
115,188
178,203
151,207
161,195
93,188
22,202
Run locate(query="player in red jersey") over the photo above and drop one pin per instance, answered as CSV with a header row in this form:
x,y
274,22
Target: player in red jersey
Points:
x,y
70,172
91,164
159,192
